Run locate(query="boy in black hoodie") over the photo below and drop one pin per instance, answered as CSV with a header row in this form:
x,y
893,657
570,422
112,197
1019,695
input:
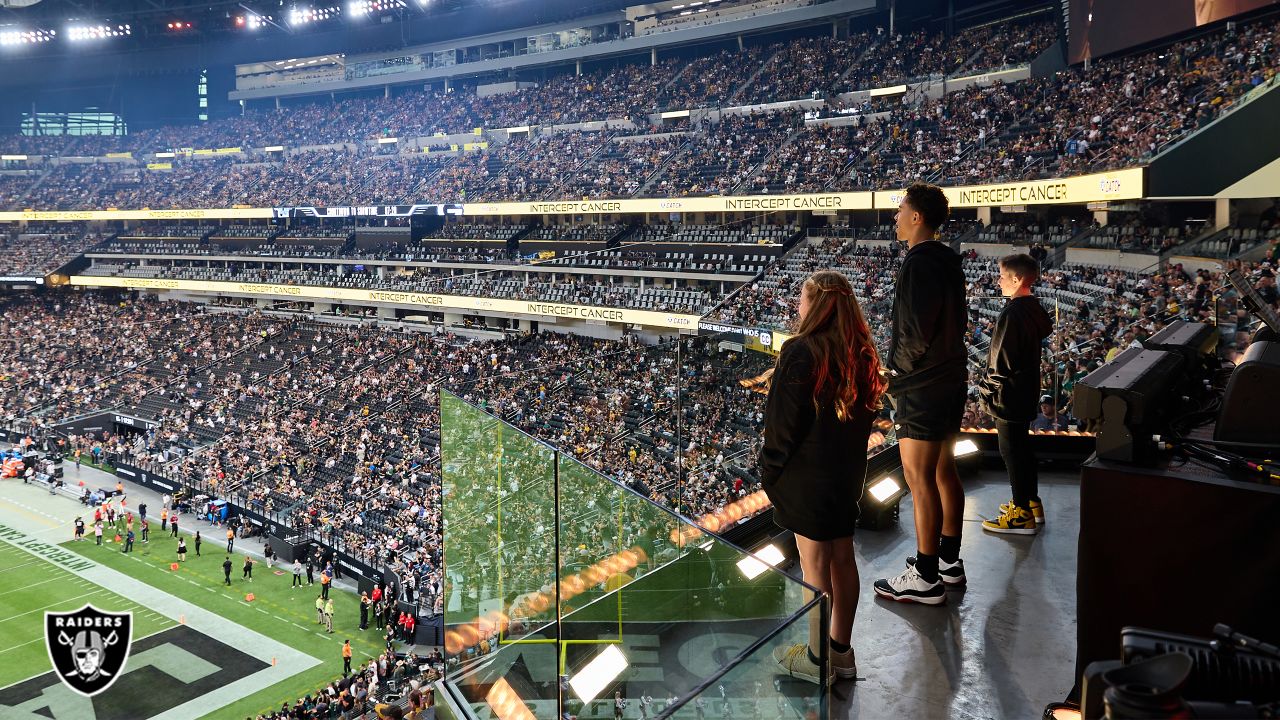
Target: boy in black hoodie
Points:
x,y
1010,388
928,384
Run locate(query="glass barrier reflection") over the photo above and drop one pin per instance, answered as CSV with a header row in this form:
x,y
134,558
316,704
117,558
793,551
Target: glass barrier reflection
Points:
x,y
596,595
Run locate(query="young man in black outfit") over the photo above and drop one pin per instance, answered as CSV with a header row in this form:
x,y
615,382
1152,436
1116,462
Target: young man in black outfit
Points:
x,y
1010,388
928,384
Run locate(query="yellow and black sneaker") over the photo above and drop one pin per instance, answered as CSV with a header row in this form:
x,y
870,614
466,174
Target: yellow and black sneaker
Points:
x,y
1013,520
1036,508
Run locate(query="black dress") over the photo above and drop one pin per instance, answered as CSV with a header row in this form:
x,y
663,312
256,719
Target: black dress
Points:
x,y
812,465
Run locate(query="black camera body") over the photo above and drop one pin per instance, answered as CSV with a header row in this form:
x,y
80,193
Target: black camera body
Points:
x,y
1166,675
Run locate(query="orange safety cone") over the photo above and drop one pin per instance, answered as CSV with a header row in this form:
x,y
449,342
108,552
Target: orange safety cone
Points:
x,y
248,598
273,662
182,619
173,566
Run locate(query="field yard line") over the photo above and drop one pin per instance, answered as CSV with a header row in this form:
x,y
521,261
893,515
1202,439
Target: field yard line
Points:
x,y
24,587
29,562
15,647
46,607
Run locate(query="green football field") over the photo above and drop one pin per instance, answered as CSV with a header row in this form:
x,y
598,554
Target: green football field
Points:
x,y
28,587
36,576
277,611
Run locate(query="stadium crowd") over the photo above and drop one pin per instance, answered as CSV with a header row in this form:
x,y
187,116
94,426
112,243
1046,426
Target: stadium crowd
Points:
x,y
335,430
1113,113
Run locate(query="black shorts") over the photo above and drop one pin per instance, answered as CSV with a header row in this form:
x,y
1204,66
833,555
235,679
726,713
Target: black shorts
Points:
x,y
930,413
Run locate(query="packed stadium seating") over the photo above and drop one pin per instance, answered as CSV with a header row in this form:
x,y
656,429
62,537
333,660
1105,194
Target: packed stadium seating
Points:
x,y
326,417
1116,112
36,251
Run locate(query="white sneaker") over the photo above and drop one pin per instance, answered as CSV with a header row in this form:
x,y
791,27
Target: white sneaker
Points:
x,y
910,587
948,573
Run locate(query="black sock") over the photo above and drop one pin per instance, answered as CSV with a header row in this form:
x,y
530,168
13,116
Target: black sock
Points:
x,y
927,566
838,646
949,548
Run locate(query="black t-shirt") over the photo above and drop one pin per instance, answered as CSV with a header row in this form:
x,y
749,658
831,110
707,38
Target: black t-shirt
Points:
x,y
226,566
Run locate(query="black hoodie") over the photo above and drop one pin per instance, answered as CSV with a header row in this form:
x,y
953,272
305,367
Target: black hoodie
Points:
x,y
1012,383
930,317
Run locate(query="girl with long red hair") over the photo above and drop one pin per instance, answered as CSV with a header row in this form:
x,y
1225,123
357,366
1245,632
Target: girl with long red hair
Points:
x,y
824,394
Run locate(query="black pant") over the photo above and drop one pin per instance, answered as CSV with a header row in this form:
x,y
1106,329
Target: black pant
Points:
x,y
297,580
175,530
324,590
1020,460
227,574
197,549
230,544
346,666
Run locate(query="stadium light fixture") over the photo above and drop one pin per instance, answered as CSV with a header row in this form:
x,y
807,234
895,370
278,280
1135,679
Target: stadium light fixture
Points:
x,y
506,704
759,561
300,15
878,507
357,8
592,679
253,21
886,490
98,32
178,25
26,37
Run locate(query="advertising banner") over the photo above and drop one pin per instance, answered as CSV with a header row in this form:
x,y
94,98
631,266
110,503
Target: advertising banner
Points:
x,y
144,214
1098,187
648,318
756,203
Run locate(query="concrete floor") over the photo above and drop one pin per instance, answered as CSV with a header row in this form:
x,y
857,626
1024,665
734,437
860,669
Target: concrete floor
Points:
x,y
1004,648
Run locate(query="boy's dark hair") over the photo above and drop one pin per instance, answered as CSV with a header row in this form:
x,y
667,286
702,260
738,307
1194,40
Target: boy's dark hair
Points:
x,y
930,202
1022,265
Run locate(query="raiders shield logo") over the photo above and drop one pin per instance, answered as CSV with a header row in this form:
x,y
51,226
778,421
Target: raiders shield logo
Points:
x,y
88,647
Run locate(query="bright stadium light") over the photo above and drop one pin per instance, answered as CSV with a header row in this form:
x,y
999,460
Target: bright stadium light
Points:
x,y
356,8
253,21
886,490
26,37
593,678
300,15
766,557
98,32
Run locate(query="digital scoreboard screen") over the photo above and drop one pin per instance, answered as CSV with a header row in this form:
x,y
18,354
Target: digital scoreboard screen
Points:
x,y
1100,27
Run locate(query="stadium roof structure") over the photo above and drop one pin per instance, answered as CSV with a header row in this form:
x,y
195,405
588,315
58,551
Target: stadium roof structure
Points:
x,y
154,17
